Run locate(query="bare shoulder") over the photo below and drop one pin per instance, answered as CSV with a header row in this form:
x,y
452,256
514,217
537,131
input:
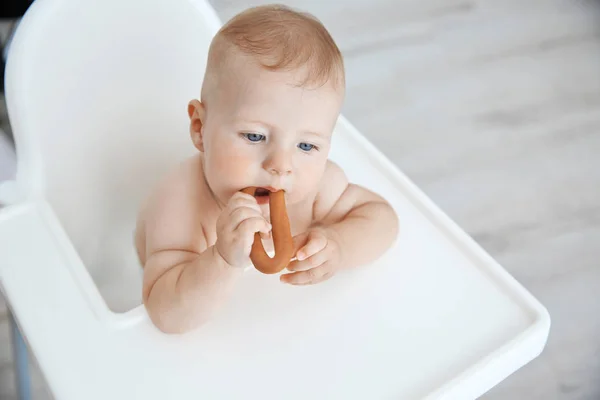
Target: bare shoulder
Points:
x,y
333,185
337,195
172,218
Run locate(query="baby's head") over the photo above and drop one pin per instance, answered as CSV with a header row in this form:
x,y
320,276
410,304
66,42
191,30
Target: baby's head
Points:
x,y
272,93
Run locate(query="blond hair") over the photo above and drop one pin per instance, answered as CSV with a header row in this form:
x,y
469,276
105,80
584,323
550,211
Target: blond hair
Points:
x,y
281,39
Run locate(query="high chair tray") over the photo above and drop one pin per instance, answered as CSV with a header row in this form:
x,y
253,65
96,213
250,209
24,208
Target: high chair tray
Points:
x,y
435,317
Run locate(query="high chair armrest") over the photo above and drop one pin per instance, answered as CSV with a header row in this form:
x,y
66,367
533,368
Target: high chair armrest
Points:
x,y
49,290
35,250
8,192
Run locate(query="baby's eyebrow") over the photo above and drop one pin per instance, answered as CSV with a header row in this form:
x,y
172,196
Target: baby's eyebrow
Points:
x,y
253,122
319,134
272,128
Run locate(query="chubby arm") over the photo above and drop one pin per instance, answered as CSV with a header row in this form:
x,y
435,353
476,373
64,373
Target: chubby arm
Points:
x,y
183,289
362,222
185,278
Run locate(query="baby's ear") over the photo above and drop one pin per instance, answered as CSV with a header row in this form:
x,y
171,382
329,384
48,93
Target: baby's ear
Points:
x,y
196,113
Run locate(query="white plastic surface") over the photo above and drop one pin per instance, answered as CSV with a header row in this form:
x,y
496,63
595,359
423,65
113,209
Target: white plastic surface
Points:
x,y
435,317
97,95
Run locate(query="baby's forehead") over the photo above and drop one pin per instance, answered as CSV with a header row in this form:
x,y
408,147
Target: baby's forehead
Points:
x,y
245,91
277,90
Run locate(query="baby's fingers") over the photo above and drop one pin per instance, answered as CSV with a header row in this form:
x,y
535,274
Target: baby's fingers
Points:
x,y
242,200
265,236
242,214
311,262
316,242
254,224
309,277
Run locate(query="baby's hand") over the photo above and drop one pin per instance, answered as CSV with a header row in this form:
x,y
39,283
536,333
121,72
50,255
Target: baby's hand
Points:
x,y
318,258
236,226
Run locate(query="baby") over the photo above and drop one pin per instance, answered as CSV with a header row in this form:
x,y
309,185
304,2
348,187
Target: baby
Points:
x,y
272,92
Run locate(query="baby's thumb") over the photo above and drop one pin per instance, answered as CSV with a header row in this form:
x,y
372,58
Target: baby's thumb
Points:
x,y
266,232
299,241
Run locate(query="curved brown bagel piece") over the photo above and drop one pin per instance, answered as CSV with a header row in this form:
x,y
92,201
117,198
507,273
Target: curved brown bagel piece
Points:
x,y
282,236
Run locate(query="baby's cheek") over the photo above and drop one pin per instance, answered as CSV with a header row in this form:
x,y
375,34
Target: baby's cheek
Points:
x,y
311,173
234,166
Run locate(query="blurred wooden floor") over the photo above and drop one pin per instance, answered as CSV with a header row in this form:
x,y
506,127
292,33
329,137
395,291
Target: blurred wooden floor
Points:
x,y
493,109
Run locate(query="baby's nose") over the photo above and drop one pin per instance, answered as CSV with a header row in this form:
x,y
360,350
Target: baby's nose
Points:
x,y
281,170
279,164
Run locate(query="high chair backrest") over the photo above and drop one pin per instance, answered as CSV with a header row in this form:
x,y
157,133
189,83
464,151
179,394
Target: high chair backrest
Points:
x,y
97,94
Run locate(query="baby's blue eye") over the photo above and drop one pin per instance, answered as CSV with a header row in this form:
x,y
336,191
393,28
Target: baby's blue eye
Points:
x,y
306,146
254,137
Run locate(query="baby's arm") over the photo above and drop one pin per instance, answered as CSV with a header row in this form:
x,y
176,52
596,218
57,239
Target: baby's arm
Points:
x,y
185,278
364,222
352,227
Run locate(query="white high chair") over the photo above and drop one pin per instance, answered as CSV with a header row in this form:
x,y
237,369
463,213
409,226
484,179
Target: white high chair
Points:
x,y
97,94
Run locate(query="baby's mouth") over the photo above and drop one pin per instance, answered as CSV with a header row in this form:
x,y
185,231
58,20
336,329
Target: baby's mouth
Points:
x,y
262,195
262,192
